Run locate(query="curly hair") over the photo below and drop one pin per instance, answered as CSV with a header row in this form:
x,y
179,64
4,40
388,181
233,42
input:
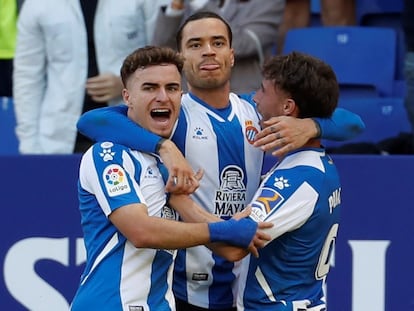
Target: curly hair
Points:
x,y
310,82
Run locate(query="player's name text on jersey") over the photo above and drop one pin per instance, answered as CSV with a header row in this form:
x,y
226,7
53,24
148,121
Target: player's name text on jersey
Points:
x,y
334,199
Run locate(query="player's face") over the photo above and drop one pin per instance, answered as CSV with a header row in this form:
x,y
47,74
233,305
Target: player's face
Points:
x,y
271,101
208,57
153,96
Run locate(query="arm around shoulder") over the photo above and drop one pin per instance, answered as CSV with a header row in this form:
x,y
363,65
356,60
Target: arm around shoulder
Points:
x,y
112,123
343,125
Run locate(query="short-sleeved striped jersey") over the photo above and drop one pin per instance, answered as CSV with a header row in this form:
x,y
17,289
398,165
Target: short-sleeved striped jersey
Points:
x,y
219,141
118,276
301,197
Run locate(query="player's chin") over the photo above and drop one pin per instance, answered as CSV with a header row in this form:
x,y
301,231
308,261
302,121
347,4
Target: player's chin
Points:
x,y
163,129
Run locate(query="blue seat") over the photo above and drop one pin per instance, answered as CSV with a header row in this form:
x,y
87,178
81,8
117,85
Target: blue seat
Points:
x,y
385,13
8,139
315,13
368,8
363,58
383,118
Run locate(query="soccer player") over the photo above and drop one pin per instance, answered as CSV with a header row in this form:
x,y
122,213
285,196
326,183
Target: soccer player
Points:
x,y
216,130
300,195
129,231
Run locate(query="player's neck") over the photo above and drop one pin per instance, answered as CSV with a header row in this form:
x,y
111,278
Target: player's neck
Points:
x,y
217,98
313,143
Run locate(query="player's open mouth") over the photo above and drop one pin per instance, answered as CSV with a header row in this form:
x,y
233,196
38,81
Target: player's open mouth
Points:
x,y
161,114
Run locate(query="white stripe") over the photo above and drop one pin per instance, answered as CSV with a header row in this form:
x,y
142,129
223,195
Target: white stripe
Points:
x,y
264,285
300,305
318,308
109,246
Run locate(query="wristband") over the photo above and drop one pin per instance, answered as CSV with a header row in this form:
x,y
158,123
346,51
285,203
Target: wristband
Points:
x,y
234,232
158,146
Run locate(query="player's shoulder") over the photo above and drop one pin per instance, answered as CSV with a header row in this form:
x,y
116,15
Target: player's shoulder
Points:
x,y
244,105
107,151
246,98
303,164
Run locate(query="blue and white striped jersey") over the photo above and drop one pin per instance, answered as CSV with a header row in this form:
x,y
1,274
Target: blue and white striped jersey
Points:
x,y
118,276
220,141
301,196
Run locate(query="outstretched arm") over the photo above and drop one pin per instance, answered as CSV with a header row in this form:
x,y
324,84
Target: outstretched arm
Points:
x,y
284,134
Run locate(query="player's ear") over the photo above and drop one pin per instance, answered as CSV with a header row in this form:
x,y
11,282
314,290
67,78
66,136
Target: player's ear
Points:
x,y
289,107
232,57
126,97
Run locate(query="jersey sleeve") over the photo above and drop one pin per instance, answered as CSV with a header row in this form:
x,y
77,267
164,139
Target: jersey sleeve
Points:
x,y
286,199
112,124
109,173
343,125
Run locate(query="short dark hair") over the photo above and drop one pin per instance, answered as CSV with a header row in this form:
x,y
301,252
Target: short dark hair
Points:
x,y
150,56
198,16
310,82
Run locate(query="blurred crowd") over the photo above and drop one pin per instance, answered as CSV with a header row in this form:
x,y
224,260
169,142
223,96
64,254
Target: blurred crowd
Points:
x,y
60,58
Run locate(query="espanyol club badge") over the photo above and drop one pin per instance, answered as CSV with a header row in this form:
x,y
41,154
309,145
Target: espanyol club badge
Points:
x,y
251,131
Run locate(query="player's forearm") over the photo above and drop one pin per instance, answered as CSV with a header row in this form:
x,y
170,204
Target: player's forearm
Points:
x,y
112,124
341,126
189,210
231,253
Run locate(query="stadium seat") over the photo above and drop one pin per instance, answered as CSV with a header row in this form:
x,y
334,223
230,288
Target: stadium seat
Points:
x,y
368,8
383,117
363,58
385,13
8,140
315,13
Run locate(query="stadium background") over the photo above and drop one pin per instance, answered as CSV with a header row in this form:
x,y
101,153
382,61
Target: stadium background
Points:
x,y
42,254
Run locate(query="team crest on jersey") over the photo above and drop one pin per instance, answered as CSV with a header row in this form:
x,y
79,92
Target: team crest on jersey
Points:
x,y
199,134
251,131
265,203
107,154
115,180
231,197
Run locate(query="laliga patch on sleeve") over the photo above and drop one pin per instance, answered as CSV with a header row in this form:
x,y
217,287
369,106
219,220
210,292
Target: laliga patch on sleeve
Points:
x,y
264,204
115,180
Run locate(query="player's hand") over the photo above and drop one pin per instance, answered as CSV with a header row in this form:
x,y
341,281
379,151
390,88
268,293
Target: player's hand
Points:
x,y
183,185
260,238
104,87
182,179
284,134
